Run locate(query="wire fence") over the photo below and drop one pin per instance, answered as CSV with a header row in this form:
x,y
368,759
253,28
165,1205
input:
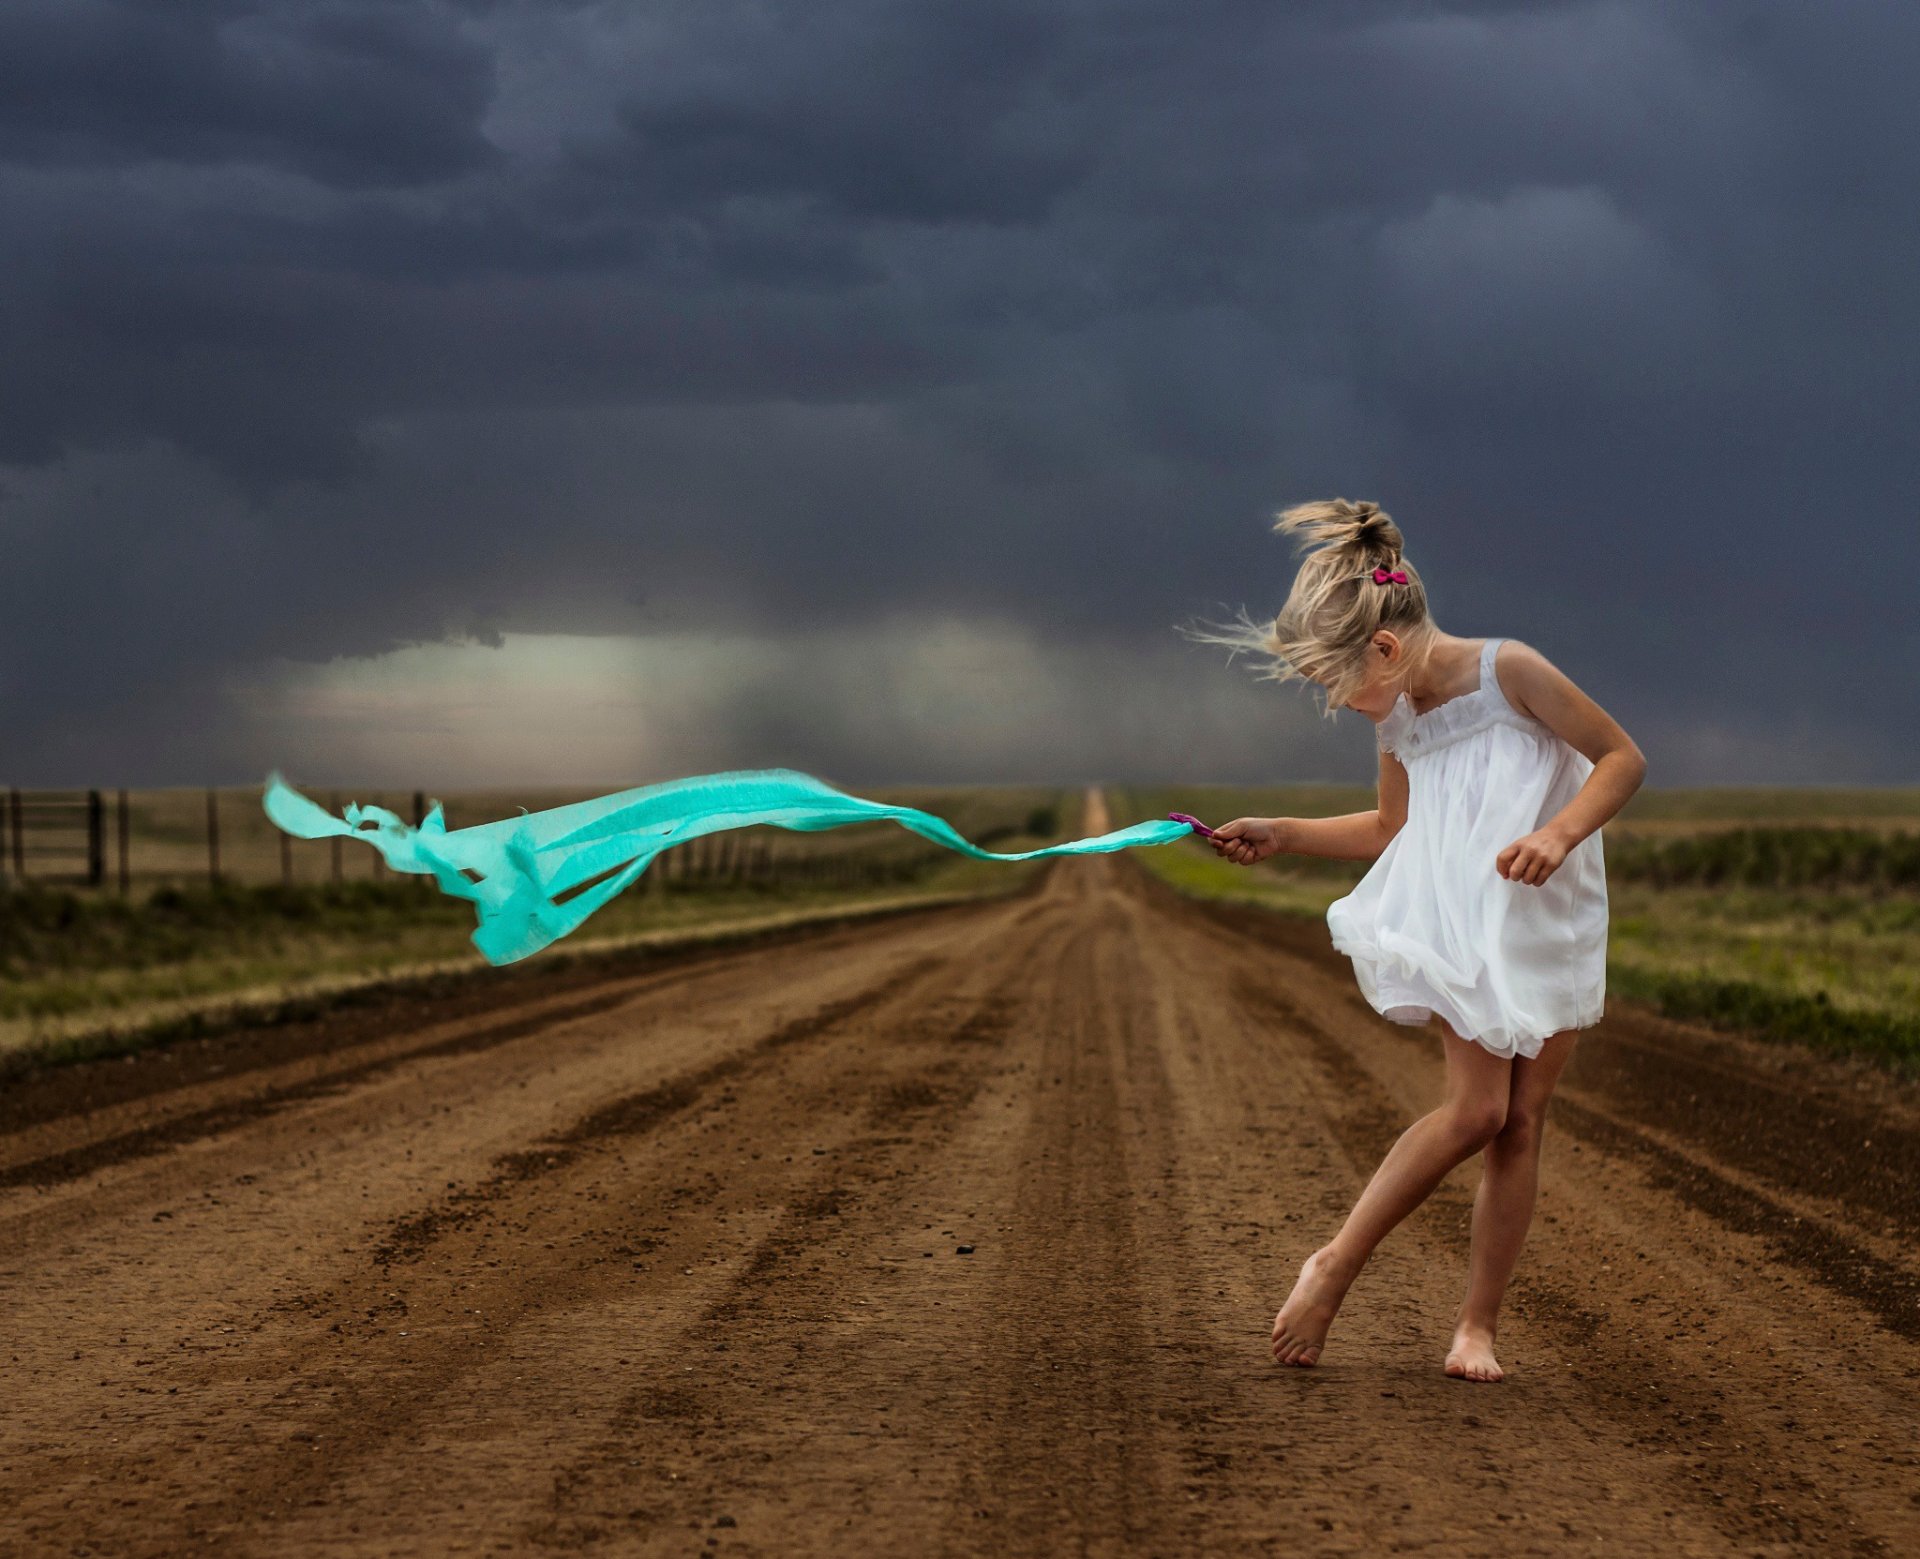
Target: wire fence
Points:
x,y
131,842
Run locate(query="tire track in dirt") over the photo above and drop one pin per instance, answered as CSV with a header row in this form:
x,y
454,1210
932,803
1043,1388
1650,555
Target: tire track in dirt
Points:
x,y
627,1116
158,1092
680,1267
366,1301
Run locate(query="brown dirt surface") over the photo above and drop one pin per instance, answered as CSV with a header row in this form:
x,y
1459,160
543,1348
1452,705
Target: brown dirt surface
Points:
x,y
957,1232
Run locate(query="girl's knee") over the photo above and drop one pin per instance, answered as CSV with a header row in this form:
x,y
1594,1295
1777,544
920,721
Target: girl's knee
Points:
x,y
1521,1129
1476,1122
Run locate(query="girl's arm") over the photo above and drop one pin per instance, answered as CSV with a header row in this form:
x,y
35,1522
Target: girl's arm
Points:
x,y
1357,836
1537,687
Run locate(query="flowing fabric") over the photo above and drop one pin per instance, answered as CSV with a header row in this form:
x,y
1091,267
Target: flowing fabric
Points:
x,y
511,870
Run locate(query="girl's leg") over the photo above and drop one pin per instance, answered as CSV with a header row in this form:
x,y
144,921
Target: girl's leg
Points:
x,y
1472,1114
1503,1207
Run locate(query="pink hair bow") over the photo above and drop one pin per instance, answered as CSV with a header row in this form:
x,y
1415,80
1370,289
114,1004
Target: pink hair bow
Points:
x,y
1382,575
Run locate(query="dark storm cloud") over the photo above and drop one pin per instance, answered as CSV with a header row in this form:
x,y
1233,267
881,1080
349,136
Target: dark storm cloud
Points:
x,y
332,327
935,113
350,94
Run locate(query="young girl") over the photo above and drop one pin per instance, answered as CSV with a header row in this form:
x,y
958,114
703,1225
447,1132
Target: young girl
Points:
x,y
1485,906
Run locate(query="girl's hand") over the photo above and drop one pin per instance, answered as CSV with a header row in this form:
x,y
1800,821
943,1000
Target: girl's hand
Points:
x,y
1533,859
1246,840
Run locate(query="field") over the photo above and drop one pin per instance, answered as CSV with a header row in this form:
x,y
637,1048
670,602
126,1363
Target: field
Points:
x,y
957,1229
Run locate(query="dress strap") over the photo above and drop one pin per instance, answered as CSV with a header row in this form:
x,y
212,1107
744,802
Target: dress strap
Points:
x,y
1488,678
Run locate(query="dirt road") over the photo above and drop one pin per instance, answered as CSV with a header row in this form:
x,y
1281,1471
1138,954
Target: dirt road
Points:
x,y
956,1233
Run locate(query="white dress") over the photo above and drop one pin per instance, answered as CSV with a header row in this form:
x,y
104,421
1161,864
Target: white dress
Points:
x,y
1433,927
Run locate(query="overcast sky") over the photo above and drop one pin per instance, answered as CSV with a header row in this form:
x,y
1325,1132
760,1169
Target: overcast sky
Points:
x,y
459,393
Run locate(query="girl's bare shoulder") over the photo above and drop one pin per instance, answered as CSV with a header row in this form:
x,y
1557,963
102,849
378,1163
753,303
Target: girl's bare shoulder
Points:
x,y
1539,689
1525,675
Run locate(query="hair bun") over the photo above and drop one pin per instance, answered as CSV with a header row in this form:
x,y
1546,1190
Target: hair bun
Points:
x,y
1368,519
1371,531
1360,533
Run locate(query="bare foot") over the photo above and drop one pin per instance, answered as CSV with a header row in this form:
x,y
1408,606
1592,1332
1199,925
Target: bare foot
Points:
x,y
1471,1356
1300,1329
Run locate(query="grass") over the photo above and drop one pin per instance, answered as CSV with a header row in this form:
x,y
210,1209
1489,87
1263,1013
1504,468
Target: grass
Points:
x,y
1834,857
1722,805
1806,932
311,997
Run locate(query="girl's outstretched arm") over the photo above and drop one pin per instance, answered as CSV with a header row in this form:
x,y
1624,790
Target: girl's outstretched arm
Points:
x,y
1537,687
1354,836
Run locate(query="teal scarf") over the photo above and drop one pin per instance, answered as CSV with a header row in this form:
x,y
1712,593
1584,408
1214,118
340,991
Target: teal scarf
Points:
x,y
519,864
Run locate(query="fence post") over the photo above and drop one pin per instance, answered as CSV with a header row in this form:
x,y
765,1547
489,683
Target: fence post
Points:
x,y
419,817
126,875
213,837
286,858
96,840
335,840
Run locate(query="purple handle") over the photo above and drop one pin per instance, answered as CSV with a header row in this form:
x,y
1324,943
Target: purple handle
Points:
x,y
1194,823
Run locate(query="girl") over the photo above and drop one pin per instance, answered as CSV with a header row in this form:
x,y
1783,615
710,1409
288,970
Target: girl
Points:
x,y
1485,906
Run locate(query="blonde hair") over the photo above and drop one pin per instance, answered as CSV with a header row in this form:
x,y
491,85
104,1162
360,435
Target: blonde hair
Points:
x,y
1335,606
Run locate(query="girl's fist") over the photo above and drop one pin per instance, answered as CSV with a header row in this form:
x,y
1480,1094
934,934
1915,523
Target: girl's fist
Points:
x,y
1533,859
1246,840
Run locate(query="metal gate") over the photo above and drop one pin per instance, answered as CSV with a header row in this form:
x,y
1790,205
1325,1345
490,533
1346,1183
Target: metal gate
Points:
x,y
55,836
